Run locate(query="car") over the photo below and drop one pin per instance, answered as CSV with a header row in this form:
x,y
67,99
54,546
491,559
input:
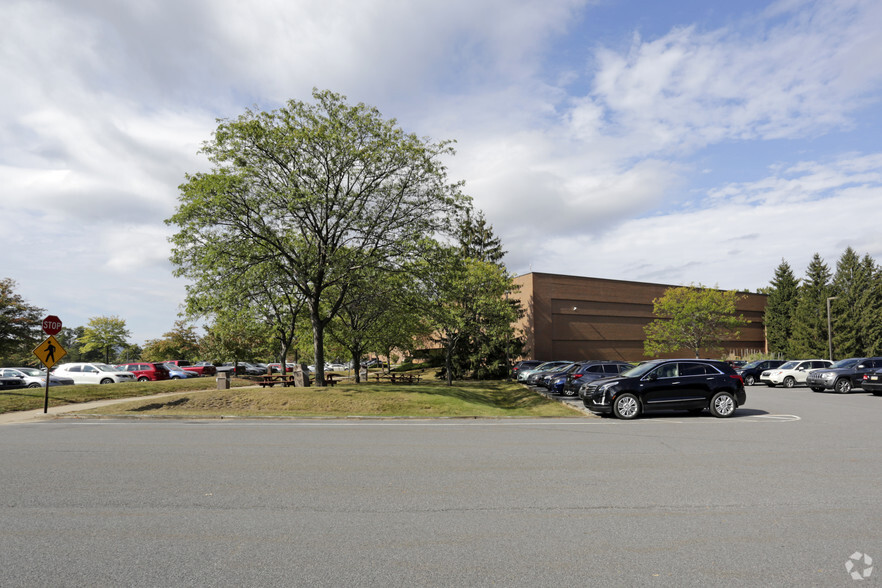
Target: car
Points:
x,y
524,374
523,365
548,379
176,373
873,383
537,377
592,370
751,372
11,383
793,372
34,378
844,375
202,368
93,373
242,367
146,371
693,385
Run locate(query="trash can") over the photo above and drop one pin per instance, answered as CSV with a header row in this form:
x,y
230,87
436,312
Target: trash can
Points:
x,y
223,380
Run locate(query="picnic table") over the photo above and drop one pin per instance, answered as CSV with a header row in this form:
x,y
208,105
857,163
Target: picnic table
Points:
x,y
273,379
399,378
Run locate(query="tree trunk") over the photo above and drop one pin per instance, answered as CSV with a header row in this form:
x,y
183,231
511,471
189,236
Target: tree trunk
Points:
x,y
318,343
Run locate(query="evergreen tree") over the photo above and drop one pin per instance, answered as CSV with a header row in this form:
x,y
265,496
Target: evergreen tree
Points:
x,y
850,282
810,319
871,302
780,308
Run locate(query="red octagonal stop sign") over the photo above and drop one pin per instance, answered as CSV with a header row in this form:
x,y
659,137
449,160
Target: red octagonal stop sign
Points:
x,y
51,325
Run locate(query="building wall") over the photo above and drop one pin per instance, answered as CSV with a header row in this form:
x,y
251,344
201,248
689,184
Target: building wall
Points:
x,y
570,317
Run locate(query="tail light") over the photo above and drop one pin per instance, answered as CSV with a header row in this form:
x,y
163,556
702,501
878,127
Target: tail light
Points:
x,y
737,377
577,376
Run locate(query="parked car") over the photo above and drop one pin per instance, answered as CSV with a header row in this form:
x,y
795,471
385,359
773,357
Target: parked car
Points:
x,y
535,379
545,379
751,372
241,368
844,375
146,371
667,384
523,365
10,383
93,373
589,371
176,373
34,378
793,372
873,383
203,368
523,374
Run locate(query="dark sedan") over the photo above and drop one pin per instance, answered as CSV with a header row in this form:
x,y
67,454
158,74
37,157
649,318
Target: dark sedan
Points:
x,y
668,384
873,383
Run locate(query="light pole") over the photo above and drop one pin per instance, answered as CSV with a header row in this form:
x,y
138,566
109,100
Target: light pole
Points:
x,y
830,328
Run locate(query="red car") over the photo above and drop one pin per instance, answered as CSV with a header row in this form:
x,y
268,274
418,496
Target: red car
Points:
x,y
203,368
146,371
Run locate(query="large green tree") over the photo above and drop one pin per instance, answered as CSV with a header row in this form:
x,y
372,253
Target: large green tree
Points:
x,y
872,303
851,281
694,318
322,191
105,334
810,319
181,342
20,322
780,308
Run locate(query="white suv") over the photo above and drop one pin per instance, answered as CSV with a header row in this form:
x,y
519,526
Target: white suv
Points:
x,y
93,373
792,372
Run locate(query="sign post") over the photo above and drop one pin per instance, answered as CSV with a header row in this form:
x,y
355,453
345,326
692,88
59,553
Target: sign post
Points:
x,y
50,351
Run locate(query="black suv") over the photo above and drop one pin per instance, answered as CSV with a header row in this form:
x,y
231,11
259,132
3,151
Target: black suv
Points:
x,y
588,371
750,373
843,375
668,384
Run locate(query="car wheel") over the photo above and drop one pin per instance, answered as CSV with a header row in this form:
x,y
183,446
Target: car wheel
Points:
x,y
843,386
722,405
749,381
789,382
107,381
35,385
143,379
571,392
626,406
176,377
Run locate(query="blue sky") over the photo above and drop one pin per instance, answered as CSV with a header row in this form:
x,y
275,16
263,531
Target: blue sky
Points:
x,y
677,142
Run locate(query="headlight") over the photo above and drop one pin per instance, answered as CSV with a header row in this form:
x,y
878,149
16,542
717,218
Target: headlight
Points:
x,y
826,375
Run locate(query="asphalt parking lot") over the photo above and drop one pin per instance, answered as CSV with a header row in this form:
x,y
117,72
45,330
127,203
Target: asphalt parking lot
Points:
x,y
784,493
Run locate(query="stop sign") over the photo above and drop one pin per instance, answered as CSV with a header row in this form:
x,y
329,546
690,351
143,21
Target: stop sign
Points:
x,y
51,325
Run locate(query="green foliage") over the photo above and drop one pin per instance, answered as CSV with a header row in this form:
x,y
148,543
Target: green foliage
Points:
x,y
182,342
850,283
810,318
315,194
694,318
20,323
871,301
780,308
105,334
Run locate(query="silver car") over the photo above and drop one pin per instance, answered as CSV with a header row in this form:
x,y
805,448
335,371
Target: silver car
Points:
x,y
34,378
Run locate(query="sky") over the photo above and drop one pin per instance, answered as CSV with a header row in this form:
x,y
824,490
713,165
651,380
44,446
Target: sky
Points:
x,y
679,142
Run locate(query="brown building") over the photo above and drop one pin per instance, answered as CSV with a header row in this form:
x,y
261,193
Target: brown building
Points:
x,y
569,317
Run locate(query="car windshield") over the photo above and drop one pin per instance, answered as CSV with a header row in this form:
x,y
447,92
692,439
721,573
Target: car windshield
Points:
x,y
847,363
103,367
789,365
640,370
752,364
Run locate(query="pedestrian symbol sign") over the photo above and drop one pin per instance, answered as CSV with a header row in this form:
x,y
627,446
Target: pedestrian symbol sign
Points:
x,y
50,352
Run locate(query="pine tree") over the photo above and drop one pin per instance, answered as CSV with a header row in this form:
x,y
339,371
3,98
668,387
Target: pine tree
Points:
x,y
871,302
781,306
810,318
847,311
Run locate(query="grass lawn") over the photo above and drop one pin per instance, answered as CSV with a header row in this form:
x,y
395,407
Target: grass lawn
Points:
x,y
426,399
32,398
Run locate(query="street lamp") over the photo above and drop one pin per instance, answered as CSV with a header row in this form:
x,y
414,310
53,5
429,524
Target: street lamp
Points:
x,y
830,328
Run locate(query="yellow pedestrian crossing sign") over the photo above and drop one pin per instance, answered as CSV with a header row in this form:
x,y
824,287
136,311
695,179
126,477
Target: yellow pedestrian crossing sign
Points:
x,y
50,352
